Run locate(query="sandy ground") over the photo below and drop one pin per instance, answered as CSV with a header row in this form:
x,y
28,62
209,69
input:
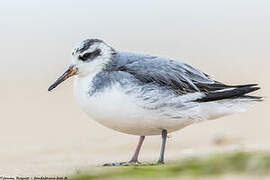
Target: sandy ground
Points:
x,y
46,133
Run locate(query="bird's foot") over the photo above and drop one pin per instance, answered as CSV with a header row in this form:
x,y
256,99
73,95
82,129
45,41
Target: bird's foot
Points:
x,y
129,163
115,164
160,162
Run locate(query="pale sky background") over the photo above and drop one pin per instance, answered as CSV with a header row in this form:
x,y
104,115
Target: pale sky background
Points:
x,y
48,133
37,36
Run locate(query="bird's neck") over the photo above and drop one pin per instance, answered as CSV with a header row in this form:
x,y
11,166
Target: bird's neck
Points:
x,y
84,82
83,85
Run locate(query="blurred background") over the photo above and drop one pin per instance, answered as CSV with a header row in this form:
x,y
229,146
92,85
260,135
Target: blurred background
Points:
x,y
46,133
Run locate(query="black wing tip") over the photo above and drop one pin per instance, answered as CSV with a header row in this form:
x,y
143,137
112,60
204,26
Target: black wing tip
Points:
x,y
254,98
251,89
236,92
246,85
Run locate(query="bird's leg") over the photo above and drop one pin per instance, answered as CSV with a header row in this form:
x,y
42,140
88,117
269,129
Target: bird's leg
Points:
x,y
134,158
164,138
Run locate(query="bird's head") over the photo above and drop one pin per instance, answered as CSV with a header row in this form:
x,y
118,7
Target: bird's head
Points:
x,y
88,57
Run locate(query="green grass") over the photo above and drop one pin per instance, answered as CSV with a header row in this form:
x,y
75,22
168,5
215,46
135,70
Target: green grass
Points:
x,y
248,163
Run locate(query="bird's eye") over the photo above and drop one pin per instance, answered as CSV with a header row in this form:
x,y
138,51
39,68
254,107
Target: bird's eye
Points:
x,y
85,56
90,55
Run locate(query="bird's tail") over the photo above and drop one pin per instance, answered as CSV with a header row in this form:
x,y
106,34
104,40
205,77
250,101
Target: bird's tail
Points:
x,y
232,92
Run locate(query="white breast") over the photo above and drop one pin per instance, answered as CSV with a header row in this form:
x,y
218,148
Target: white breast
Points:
x,y
115,109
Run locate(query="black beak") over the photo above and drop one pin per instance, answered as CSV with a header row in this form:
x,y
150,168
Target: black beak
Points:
x,y
72,70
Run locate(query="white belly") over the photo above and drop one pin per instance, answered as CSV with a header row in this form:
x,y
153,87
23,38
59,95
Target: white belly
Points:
x,y
116,110
124,112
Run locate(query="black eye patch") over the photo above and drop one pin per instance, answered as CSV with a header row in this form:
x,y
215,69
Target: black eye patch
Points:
x,y
90,55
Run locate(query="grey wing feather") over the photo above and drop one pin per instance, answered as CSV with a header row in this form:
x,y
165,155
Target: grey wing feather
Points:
x,y
176,75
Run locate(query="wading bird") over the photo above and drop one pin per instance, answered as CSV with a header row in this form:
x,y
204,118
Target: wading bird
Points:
x,y
147,95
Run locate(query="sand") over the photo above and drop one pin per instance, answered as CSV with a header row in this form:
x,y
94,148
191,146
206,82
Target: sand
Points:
x,y
46,133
